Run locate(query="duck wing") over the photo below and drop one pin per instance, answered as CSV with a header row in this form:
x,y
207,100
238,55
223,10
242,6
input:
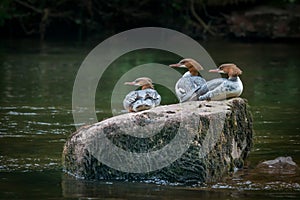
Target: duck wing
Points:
x,y
212,84
141,100
152,95
130,99
224,90
187,88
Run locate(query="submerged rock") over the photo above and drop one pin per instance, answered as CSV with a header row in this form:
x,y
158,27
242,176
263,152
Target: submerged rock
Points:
x,y
188,142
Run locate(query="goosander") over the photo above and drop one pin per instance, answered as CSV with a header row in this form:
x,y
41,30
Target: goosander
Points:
x,y
222,88
191,85
143,99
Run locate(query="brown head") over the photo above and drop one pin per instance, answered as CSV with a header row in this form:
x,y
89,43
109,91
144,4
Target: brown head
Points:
x,y
229,68
144,82
193,66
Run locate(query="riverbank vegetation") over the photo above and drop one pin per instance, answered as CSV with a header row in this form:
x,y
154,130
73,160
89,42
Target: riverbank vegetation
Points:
x,y
84,19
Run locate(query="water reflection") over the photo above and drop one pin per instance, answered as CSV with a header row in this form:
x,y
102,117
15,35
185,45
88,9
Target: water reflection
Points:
x,y
82,189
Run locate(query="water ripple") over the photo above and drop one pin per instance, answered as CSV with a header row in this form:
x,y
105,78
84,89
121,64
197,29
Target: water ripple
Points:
x,y
20,113
28,164
248,185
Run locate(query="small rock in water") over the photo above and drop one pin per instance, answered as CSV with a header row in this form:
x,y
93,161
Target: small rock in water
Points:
x,y
280,165
281,161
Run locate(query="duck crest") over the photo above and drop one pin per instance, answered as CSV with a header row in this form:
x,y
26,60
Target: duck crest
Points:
x,y
231,69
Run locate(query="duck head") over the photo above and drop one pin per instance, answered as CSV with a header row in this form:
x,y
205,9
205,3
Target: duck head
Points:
x,y
193,66
229,68
143,82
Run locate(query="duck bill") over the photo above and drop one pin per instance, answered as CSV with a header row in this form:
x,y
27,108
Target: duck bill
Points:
x,y
177,65
129,83
216,71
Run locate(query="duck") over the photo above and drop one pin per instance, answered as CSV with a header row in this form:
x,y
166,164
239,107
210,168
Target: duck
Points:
x,y
191,85
145,98
223,88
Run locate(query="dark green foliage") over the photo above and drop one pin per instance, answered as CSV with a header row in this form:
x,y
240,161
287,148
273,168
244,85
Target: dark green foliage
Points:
x,y
4,11
83,18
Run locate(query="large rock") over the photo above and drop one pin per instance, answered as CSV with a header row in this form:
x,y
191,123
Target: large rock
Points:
x,y
188,142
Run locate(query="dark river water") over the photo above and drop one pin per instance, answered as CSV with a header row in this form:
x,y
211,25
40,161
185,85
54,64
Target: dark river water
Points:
x,y
36,82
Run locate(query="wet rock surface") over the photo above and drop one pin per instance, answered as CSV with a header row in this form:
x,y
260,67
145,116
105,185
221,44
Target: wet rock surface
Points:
x,y
189,142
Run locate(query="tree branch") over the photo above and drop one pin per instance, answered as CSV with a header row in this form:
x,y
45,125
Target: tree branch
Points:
x,y
43,11
203,24
29,6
